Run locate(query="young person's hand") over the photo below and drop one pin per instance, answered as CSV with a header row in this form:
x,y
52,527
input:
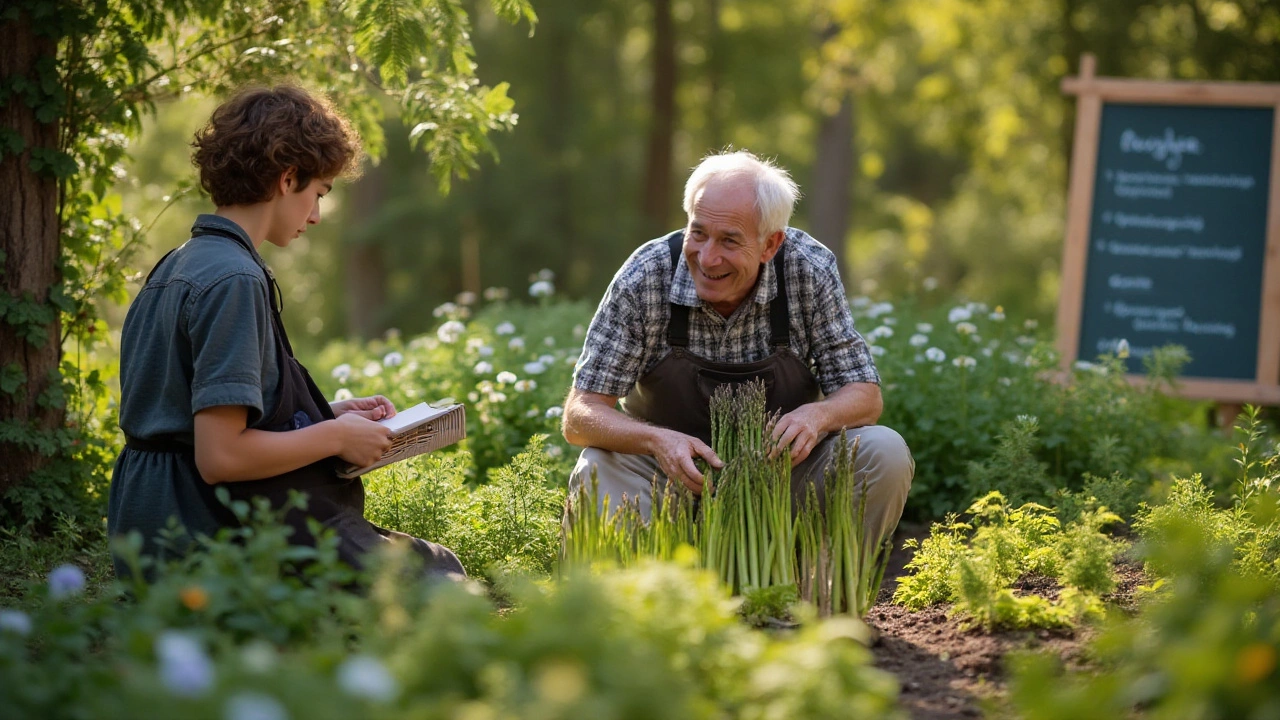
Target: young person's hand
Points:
x,y
370,408
362,440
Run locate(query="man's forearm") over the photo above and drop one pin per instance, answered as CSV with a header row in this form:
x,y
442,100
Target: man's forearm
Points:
x,y
591,422
854,405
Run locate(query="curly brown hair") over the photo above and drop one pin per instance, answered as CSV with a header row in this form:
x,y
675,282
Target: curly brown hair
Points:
x,y
260,133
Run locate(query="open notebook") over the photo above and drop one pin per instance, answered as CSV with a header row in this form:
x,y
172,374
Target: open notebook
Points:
x,y
416,430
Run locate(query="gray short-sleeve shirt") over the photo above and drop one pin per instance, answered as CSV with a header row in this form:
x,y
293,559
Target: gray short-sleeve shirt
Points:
x,y
198,335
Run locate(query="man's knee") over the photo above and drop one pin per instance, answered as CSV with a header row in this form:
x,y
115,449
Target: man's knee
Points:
x,y
884,454
588,461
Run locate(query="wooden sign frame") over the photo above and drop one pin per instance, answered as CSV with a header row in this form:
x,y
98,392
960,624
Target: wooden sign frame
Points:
x,y
1092,92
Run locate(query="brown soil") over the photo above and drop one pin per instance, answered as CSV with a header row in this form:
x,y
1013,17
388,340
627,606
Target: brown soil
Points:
x,y
948,671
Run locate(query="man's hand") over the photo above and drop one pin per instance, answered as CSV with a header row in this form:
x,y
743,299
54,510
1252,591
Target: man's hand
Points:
x,y
370,408
675,452
802,429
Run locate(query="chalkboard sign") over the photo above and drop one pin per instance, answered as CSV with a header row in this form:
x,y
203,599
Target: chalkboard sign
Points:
x,y
1178,235
1173,231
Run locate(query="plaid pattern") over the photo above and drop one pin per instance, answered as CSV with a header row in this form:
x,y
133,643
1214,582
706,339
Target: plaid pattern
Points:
x,y
628,335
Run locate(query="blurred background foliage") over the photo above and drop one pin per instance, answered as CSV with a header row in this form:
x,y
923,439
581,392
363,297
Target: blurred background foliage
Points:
x,y
930,139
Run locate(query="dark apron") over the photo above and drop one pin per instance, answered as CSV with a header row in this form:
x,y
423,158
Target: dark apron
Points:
x,y
331,500
676,393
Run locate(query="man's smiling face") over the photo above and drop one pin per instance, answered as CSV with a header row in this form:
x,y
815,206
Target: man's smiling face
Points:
x,y
722,243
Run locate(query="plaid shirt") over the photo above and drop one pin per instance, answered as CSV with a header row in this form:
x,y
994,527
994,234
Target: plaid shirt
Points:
x,y
628,335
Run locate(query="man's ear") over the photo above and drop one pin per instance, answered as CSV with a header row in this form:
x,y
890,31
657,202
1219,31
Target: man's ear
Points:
x,y
771,245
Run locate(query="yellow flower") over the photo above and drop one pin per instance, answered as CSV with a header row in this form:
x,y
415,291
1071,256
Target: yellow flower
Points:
x,y
1255,662
194,597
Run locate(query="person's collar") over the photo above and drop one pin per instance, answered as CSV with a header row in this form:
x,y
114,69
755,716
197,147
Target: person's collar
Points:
x,y
683,291
208,221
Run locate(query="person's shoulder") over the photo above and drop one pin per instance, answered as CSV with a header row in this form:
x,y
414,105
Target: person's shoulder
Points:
x,y
647,265
205,261
805,254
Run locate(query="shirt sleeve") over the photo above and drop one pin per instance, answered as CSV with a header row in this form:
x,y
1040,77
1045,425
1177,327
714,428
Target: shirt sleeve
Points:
x,y
229,325
613,350
838,352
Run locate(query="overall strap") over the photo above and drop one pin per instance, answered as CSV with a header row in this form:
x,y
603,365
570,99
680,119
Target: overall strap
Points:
x,y
779,309
678,327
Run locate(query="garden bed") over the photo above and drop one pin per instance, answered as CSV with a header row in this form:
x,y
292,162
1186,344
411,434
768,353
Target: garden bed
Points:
x,y
948,670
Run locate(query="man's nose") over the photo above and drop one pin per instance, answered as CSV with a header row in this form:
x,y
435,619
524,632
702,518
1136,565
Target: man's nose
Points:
x,y
709,255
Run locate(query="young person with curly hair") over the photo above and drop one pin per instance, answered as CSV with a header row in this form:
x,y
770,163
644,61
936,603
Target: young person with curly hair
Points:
x,y
211,394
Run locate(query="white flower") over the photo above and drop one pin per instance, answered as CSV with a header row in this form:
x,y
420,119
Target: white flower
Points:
x,y
1013,357
450,331
466,297
910,371
364,676
890,321
485,351
929,284
535,368
549,341
958,314
259,657
496,293
515,343
924,327
882,331
526,385
919,340
497,397
473,396
966,328
1025,341
445,309
964,361
997,315
934,354
506,376
343,394
185,669
342,372
1006,381
546,359
542,288
483,368
392,359
579,331
882,308
554,451
253,706
531,412
505,328
1030,324
1122,349
1084,365
15,621
372,368
878,350
65,581
546,274
474,344
554,411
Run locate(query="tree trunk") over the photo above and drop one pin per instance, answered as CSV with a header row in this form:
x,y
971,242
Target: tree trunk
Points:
x,y
29,243
657,173
715,74
831,191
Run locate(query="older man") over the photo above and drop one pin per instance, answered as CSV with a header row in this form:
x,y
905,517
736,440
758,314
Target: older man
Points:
x,y
735,295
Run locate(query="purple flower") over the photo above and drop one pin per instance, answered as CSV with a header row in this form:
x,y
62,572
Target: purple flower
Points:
x,y
65,581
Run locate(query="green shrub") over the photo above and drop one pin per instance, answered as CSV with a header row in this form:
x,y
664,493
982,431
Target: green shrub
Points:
x,y
974,565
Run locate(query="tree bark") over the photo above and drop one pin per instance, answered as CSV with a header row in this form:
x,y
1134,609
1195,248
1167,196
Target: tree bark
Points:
x,y
657,173
831,191
29,240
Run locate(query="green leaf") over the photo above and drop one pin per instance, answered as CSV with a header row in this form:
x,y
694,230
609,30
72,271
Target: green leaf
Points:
x,y
496,102
12,378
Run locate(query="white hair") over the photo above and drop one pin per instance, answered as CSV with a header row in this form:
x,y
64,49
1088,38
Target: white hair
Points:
x,y
776,192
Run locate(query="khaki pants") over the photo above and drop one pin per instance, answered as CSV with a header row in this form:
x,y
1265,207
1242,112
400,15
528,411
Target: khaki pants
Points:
x,y
884,467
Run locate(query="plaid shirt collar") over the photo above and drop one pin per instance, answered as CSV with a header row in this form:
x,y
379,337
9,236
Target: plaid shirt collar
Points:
x,y
683,291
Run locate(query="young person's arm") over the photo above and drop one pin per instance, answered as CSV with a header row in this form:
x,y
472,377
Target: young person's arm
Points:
x,y
227,450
